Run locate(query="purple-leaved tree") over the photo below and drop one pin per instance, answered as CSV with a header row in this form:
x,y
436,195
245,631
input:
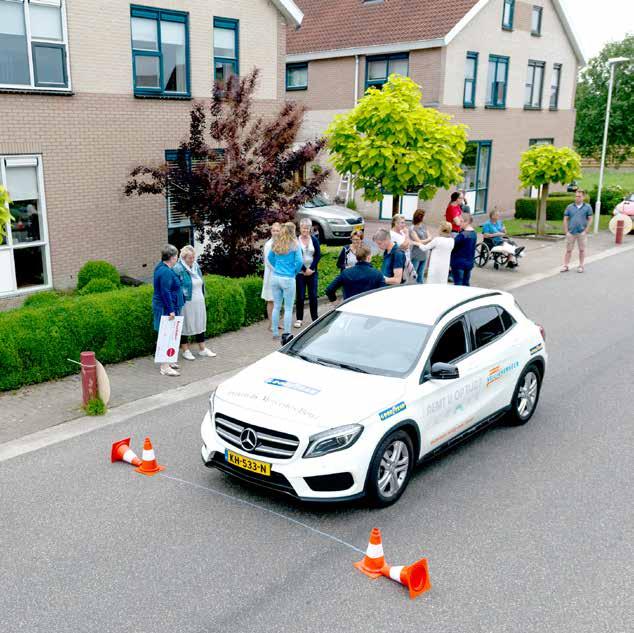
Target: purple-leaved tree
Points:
x,y
235,174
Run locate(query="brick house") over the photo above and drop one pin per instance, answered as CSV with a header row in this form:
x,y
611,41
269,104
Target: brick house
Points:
x,y
90,89
506,68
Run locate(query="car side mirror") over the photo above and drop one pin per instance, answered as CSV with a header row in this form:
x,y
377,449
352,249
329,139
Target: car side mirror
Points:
x,y
286,338
444,371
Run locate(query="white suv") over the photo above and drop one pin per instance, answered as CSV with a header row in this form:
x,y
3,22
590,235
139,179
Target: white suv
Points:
x,y
386,380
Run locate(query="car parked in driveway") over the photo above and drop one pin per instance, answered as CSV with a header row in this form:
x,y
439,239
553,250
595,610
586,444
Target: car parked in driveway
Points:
x,y
388,379
331,222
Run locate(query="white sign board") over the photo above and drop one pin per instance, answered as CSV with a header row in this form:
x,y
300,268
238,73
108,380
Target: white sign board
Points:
x,y
169,338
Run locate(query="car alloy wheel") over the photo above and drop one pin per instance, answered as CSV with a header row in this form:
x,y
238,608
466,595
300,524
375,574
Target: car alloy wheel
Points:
x,y
390,469
527,394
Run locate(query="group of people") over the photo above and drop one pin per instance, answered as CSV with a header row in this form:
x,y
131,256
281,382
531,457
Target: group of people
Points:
x,y
179,290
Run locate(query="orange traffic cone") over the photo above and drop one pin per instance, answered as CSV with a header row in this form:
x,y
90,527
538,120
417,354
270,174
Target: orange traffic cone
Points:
x,y
150,465
373,561
121,452
415,577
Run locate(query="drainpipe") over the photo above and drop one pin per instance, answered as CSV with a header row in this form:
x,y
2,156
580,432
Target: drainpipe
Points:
x,y
356,79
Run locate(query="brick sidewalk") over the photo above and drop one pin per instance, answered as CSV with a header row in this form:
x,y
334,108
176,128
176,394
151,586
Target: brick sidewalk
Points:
x,y
36,407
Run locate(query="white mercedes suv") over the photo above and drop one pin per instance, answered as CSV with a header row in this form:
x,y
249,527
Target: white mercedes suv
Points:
x,y
384,381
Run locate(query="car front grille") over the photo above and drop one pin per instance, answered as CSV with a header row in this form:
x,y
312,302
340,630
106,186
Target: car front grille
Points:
x,y
355,221
269,443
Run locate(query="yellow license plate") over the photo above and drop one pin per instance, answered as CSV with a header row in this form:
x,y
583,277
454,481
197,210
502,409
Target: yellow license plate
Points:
x,y
246,463
358,227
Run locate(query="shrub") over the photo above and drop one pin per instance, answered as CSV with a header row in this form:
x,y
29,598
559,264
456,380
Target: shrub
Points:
x,y
97,269
46,298
526,208
95,406
352,205
95,286
255,306
37,341
610,197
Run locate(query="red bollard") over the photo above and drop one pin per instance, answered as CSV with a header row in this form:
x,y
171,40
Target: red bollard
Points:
x,y
620,228
88,376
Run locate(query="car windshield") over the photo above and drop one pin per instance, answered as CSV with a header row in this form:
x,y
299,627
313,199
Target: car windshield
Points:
x,y
317,201
631,198
365,344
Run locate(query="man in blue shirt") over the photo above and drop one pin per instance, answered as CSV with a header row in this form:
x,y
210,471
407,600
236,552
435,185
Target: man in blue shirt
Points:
x,y
359,278
393,258
577,219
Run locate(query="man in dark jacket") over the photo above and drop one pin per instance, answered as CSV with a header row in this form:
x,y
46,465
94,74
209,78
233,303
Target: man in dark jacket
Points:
x,y
360,278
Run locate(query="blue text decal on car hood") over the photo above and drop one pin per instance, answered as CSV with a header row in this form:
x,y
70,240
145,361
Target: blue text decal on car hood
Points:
x,y
280,382
393,410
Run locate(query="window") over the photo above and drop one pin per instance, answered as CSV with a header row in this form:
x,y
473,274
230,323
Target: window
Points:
x,y
24,253
496,85
507,320
476,166
534,85
226,49
536,20
451,345
160,52
296,76
380,67
541,141
486,325
507,14
470,77
555,82
33,44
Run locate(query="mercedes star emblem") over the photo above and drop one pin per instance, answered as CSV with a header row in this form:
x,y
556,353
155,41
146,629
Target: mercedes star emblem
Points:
x,y
248,439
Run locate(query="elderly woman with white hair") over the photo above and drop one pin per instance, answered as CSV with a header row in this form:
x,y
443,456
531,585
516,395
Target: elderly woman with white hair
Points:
x,y
194,310
307,276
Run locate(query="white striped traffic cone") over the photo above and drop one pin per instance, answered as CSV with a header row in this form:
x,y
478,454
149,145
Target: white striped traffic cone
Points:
x,y
415,577
373,561
121,452
149,466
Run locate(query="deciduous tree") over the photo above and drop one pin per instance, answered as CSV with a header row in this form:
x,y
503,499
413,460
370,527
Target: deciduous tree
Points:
x,y
543,165
235,174
391,143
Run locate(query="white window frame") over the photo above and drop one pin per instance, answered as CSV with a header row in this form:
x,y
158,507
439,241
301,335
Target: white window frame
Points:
x,y
29,48
44,239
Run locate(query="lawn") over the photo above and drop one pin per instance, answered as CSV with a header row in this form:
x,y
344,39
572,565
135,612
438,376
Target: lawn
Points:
x,y
522,227
622,177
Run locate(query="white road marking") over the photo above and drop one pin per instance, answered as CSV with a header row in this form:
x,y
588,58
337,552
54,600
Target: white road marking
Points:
x,y
265,509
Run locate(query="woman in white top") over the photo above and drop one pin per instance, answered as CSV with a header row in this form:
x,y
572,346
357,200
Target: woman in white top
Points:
x,y
441,248
267,291
400,235
195,309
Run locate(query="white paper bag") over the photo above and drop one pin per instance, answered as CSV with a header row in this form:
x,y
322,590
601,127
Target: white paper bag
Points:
x,y
169,339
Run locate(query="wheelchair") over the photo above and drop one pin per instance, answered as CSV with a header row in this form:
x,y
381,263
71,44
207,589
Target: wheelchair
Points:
x,y
486,250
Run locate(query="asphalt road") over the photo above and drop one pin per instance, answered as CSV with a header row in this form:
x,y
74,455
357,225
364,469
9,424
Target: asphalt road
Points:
x,y
526,529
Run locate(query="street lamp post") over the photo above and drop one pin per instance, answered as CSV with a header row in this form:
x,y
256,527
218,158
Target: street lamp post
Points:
x,y
612,62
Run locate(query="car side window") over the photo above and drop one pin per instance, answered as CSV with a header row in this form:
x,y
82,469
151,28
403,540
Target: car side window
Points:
x,y
507,320
486,324
451,345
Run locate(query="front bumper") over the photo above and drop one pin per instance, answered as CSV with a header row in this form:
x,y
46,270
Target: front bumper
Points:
x,y
339,231
338,476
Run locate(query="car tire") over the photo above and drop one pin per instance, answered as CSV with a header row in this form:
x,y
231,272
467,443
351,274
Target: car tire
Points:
x,y
525,396
396,452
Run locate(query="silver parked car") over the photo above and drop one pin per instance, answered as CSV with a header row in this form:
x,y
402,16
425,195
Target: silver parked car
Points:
x,y
331,222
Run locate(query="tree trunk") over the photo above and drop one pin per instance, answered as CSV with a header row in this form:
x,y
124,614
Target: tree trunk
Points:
x,y
541,210
395,205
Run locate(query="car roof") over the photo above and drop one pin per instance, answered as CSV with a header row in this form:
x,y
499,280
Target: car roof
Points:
x,y
415,303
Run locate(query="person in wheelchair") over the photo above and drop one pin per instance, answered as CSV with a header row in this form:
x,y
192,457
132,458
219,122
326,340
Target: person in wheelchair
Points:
x,y
495,237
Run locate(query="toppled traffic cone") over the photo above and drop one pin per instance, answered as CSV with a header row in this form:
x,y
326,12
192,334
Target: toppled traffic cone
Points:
x,y
373,561
121,452
149,466
415,577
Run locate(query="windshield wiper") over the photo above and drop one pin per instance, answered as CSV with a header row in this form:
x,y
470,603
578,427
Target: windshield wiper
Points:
x,y
332,363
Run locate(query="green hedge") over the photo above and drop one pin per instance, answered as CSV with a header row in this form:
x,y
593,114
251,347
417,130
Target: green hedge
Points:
x,y
255,306
97,269
117,325
610,197
526,208
97,285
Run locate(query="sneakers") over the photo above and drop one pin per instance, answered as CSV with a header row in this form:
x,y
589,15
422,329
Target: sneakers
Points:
x,y
187,355
168,371
286,337
206,353
298,324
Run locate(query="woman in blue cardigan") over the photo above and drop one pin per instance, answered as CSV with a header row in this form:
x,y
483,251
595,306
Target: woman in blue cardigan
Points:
x,y
168,296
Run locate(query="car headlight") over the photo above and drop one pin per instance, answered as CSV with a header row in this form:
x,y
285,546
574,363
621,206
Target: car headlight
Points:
x,y
333,440
335,221
212,397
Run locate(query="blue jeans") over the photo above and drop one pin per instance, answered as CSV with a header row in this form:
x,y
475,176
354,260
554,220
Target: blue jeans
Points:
x,y
419,267
461,276
283,289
